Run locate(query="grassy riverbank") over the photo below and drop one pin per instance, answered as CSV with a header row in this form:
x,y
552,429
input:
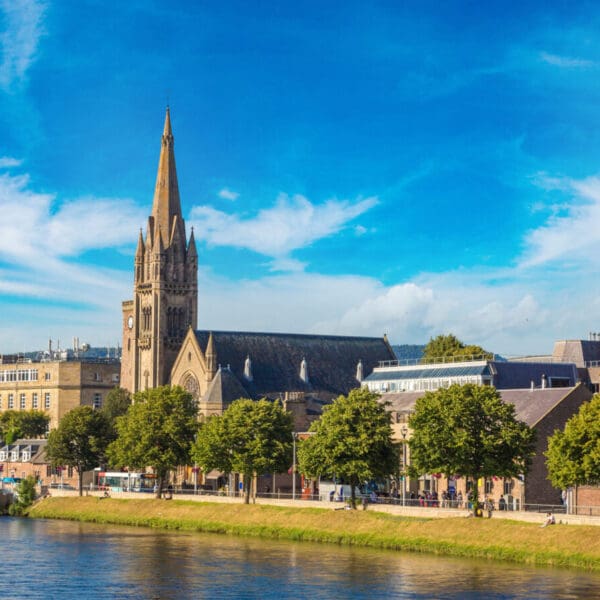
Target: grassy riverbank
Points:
x,y
560,545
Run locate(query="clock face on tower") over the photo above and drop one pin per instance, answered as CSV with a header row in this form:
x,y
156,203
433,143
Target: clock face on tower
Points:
x,y
130,322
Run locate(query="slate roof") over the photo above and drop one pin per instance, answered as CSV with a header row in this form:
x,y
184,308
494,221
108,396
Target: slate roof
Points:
x,y
518,375
530,405
225,388
37,448
276,359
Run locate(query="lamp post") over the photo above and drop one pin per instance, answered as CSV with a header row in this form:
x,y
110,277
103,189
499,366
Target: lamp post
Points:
x,y
404,432
195,472
294,465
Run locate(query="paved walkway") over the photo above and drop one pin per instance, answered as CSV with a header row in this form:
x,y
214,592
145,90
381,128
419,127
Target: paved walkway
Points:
x,y
409,511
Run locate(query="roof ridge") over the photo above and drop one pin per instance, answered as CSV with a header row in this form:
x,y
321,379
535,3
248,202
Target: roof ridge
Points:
x,y
285,334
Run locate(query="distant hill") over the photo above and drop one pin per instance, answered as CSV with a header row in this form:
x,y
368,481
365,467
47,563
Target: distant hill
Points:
x,y
408,351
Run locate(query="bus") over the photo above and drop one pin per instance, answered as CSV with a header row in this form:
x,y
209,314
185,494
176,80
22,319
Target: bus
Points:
x,y
118,481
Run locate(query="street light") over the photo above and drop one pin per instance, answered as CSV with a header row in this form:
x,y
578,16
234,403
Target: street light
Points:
x,y
404,432
195,470
294,435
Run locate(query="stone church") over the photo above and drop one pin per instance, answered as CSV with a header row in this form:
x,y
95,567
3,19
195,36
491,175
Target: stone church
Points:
x,y
161,343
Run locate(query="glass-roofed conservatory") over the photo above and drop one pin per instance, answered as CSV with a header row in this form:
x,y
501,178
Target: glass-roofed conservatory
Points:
x,y
424,377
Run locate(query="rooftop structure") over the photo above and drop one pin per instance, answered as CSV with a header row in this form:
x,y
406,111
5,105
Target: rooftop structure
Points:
x,y
391,378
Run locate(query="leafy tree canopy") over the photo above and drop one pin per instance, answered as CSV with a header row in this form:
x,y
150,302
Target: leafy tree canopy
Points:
x,y
79,441
116,403
157,431
448,346
573,456
468,430
15,424
250,437
25,496
352,441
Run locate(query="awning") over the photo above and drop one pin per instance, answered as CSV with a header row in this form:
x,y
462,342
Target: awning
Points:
x,y
214,475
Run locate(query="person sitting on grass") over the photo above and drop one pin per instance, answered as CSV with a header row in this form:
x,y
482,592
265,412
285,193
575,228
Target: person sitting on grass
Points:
x,y
550,520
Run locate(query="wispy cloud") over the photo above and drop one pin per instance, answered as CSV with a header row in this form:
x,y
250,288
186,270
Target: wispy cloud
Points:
x,y
38,263
566,62
227,194
6,162
20,39
292,223
567,237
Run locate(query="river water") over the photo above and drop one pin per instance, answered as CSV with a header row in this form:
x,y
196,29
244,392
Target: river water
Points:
x,y
64,560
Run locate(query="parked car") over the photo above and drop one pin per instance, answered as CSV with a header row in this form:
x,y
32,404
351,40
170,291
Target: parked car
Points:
x,y
61,486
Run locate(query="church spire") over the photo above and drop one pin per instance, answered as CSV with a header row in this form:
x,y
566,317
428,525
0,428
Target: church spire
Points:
x,y
166,205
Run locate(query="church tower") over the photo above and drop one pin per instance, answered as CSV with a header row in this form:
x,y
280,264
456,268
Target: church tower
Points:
x,y
165,289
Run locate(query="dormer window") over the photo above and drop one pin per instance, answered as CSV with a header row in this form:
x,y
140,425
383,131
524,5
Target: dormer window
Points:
x,y
25,456
14,455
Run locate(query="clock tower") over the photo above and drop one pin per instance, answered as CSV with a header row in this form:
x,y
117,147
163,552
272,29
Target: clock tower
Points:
x,y
165,289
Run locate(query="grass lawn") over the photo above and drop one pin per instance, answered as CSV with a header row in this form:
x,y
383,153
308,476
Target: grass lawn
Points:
x,y
558,545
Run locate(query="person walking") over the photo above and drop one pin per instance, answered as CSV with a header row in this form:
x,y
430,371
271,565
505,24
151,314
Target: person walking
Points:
x,y
501,503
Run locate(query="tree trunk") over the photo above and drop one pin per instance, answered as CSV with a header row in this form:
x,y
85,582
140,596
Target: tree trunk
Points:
x,y
80,476
246,479
159,485
475,495
353,483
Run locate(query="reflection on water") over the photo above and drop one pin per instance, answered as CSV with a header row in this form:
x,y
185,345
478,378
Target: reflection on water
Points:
x,y
59,559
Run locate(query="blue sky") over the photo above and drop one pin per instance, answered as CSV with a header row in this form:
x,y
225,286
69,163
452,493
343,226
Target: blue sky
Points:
x,y
355,168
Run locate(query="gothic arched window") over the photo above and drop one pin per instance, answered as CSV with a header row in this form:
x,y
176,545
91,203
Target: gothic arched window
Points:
x,y
190,384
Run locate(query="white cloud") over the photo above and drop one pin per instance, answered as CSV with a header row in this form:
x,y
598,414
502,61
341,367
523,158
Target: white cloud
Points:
x,y
59,231
292,223
227,194
508,316
19,40
566,62
38,239
7,162
573,236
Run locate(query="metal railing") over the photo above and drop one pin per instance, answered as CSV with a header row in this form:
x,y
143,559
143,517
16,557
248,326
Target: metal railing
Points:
x,y
406,362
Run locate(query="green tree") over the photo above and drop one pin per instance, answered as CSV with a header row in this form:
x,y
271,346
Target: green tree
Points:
x,y
251,437
116,403
573,455
15,424
449,346
157,431
79,441
352,441
468,430
24,497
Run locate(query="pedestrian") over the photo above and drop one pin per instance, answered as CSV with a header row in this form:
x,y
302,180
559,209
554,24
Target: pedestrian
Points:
x,y
501,503
364,502
459,499
489,506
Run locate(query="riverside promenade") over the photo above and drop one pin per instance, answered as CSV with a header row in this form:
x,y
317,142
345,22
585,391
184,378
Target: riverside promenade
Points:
x,y
395,509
